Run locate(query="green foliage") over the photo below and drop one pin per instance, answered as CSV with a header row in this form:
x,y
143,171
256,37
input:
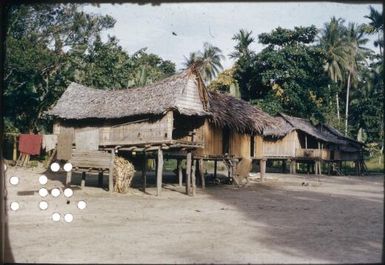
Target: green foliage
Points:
x,y
51,45
225,82
283,37
286,76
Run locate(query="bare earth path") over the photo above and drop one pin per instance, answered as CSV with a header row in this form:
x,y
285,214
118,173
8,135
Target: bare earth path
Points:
x,y
327,220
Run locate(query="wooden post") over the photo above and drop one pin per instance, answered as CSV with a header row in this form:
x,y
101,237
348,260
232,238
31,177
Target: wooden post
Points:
x,y
144,172
14,153
68,178
179,168
100,178
193,177
188,172
83,181
159,173
283,166
215,168
111,173
293,167
305,141
202,173
262,168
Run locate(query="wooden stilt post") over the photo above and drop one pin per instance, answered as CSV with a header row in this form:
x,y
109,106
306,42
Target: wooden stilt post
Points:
x,y
144,171
179,168
83,181
283,166
202,173
14,153
159,172
215,168
262,168
188,172
111,172
293,167
100,178
68,178
193,177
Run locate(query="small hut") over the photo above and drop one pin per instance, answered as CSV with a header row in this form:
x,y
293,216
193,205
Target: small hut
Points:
x,y
176,117
298,140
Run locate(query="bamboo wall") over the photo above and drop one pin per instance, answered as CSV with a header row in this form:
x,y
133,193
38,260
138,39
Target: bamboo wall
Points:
x,y
212,138
126,133
239,145
284,147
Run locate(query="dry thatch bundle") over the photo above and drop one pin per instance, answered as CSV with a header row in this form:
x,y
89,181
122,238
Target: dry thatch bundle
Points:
x,y
123,174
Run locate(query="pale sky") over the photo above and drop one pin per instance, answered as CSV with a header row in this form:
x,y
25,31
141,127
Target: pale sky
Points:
x,y
150,26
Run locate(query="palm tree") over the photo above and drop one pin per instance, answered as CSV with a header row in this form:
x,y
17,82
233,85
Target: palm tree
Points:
x,y
244,40
335,45
193,59
207,62
357,55
376,26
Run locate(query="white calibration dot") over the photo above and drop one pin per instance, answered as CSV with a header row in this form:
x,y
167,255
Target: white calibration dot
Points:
x,y
68,167
68,218
43,205
55,217
43,192
15,206
14,180
55,192
82,205
68,192
43,179
55,167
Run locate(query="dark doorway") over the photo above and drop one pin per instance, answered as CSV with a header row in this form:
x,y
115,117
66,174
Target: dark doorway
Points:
x,y
252,146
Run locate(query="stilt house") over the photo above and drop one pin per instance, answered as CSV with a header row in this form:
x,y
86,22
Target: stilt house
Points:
x,y
297,139
176,117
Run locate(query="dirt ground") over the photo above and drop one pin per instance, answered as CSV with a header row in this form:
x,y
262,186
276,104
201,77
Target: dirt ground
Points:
x,y
285,219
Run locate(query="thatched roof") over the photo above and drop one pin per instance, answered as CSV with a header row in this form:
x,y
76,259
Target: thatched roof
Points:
x,y
281,129
329,129
81,102
322,132
237,114
307,127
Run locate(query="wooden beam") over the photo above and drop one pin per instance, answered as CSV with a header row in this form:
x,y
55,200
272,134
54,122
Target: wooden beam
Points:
x,y
215,168
202,173
193,177
305,141
188,172
111,173
262,168
179,170
68,178
100,178
144,171
83,181
159,173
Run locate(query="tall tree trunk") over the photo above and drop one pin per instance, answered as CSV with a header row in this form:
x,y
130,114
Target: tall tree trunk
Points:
x,y
347,104
338,109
